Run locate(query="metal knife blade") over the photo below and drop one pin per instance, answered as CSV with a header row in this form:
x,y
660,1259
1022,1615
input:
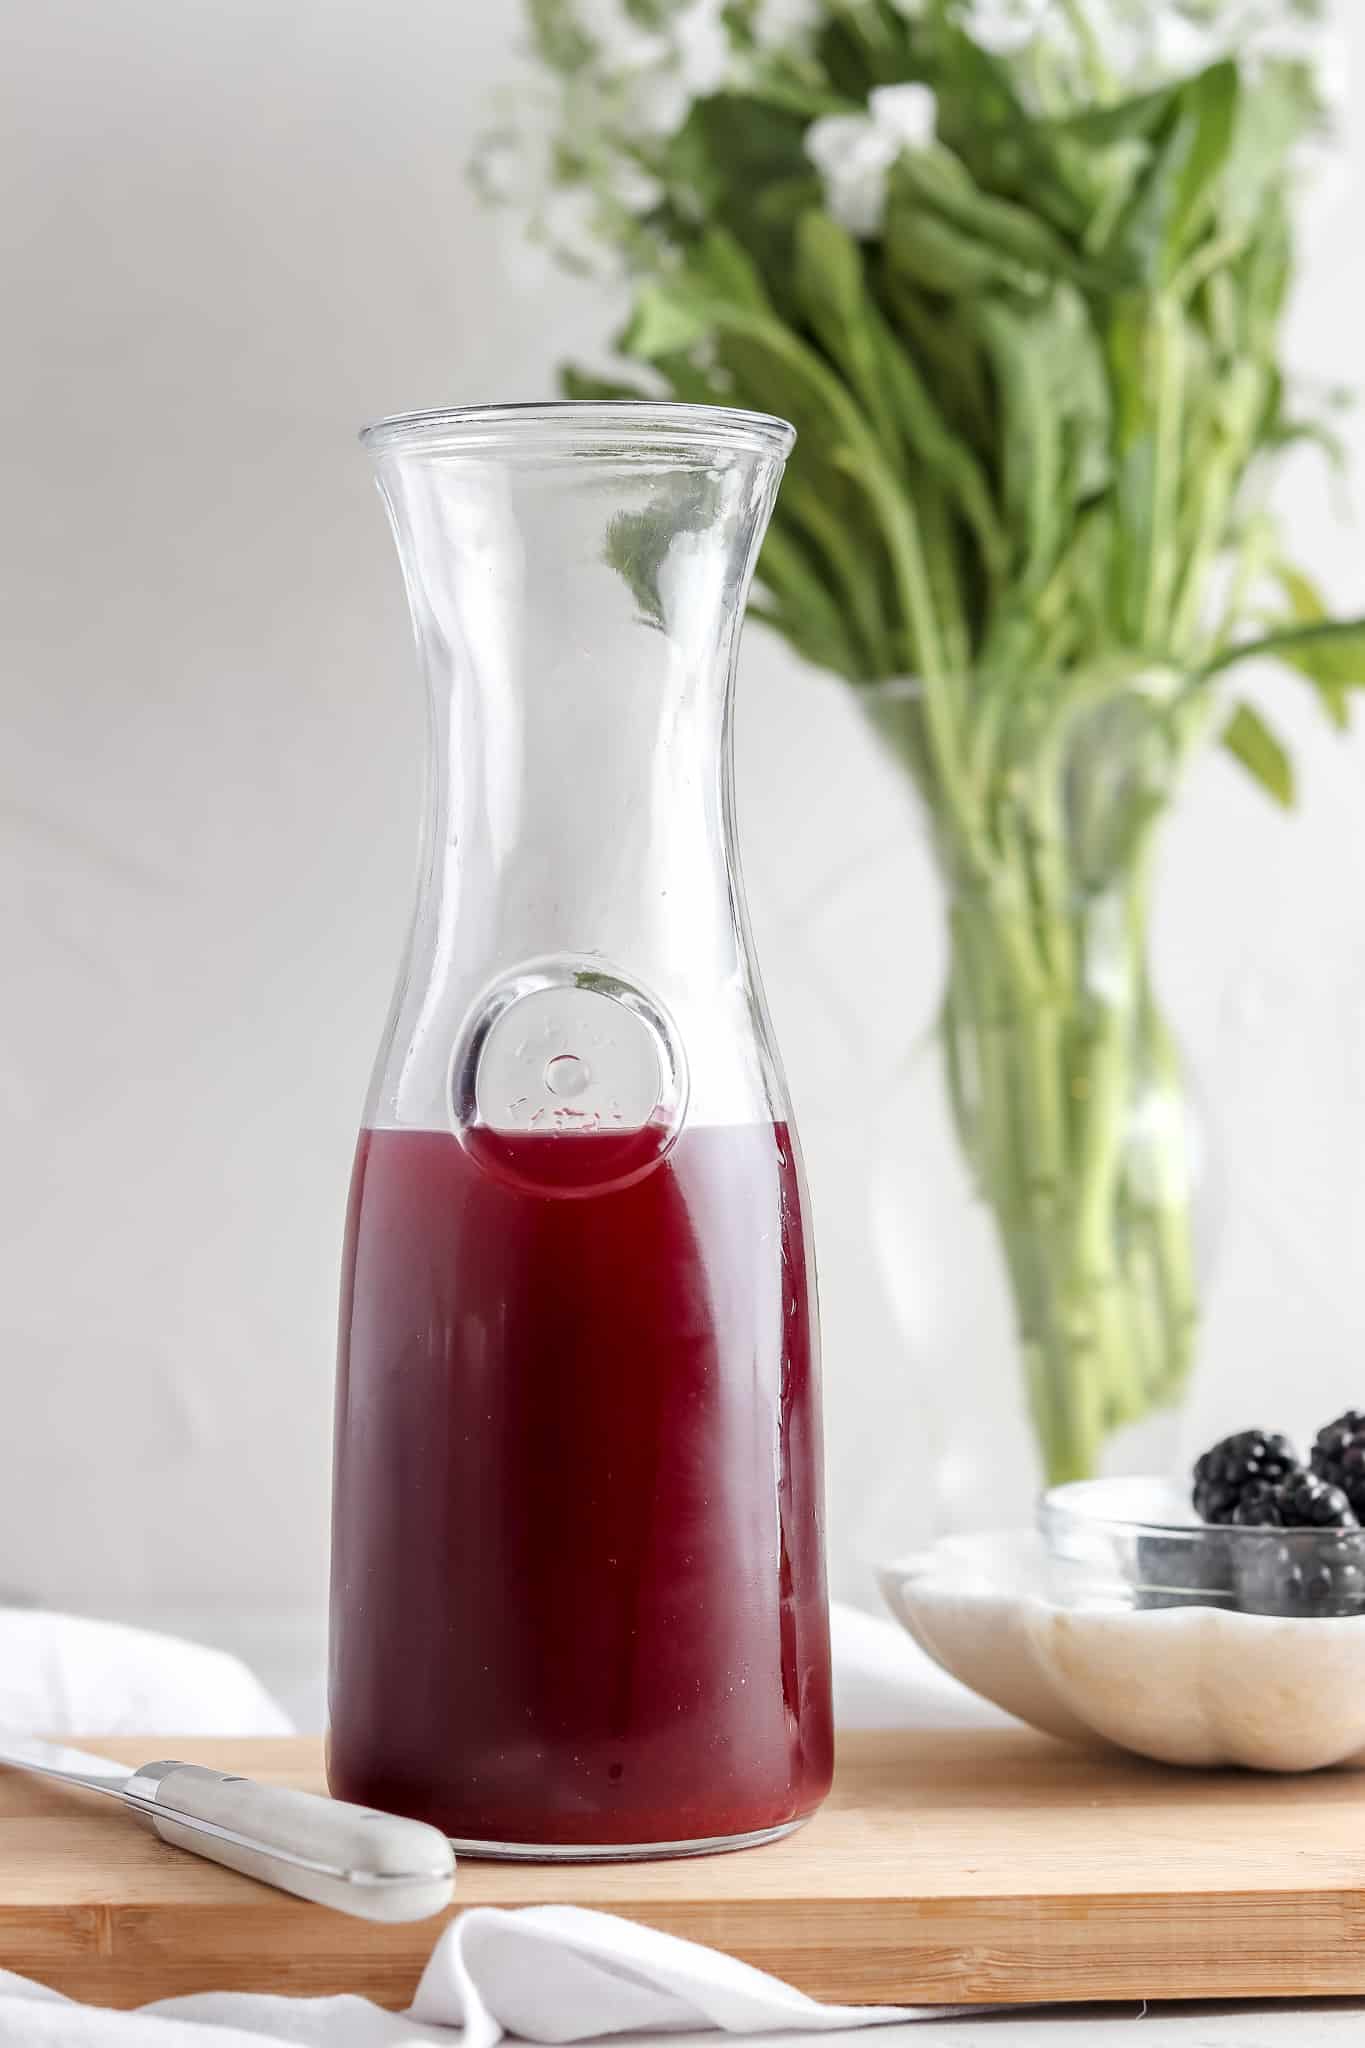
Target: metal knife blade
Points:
x,y
56,1760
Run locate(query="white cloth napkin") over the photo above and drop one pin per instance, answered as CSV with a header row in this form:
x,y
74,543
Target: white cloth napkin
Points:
x,y
884,1680
62,1675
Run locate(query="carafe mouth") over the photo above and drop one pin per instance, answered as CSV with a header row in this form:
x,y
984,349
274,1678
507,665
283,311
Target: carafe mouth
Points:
x,y
619,427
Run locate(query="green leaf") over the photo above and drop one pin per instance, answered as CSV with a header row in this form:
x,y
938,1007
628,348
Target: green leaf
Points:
x,y
772,359
804,609
1335,665
559,39
914,587
947,457
942,560
1209,105
1140,116
1330,655
850,326
841,486
1334,650
942,184
1032,448
694,382
1176,197
739,161
758,360
865,43
928,250
1264,275
1005,146
830,288
1306,601
668,319
638,543
1249,740
720,264
732,145
830,512
947,354
1271,119
1283,433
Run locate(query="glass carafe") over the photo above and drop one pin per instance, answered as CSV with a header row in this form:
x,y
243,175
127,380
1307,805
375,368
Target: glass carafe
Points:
x,y
578,1591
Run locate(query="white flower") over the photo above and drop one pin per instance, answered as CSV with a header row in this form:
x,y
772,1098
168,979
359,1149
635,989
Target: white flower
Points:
x,y
1165,42
1273,29
853,157
781,23
571,225
854,153
633,189
1181,46
621,43
514,162
1269,32
1290,35
657,102
1332,69
513,168
1321,51
693,59
1004,26
907,112
702,44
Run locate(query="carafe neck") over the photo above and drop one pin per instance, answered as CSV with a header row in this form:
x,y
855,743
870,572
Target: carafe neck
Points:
x,y
577,589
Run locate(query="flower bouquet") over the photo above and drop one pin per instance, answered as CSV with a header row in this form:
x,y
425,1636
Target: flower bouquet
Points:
x,y
1017,272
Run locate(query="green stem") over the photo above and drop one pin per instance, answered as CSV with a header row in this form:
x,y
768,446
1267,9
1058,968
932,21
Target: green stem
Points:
x,y
1066,1094
1167,1211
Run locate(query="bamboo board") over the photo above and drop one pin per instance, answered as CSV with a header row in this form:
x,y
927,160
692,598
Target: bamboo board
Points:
x,y
956,1867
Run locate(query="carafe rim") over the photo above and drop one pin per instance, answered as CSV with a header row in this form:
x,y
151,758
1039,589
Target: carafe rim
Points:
x,y
619,425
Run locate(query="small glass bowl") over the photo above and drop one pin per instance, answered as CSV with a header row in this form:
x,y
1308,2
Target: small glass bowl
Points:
x,y
1122,1618
1135,1543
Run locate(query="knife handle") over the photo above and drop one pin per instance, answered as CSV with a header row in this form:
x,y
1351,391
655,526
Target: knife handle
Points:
x,y
374,1865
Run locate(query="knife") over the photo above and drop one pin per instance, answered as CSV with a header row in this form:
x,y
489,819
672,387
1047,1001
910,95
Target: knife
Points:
x,y
374,1865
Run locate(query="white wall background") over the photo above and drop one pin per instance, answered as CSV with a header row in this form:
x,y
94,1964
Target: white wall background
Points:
x,y
233,230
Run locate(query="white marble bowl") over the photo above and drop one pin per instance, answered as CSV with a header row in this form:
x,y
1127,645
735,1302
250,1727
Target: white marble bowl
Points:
x,y
1078,1657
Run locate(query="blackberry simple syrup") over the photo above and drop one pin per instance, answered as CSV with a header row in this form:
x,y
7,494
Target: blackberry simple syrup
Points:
x,y
578,1589
578,1586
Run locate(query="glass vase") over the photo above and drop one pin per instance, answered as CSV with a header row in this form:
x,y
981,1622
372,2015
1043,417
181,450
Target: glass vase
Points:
x,y
1038,1195
578,1587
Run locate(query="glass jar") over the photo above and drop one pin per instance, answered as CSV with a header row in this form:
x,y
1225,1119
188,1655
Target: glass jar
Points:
x,y
578,1589
1041,1205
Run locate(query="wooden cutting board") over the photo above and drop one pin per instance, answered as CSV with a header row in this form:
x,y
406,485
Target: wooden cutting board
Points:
x,y
946,1868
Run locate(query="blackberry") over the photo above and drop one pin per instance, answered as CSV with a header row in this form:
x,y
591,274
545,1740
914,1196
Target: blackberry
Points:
x,y
1307,1575
1316,1567
1300,1501
1223,1475
1260,1507
1339,1457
